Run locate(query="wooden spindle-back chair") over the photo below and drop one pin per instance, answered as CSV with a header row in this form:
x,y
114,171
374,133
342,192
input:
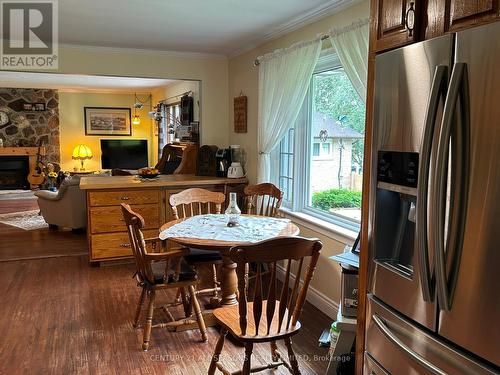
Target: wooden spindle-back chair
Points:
x,y
162,270
263,199
196,201
271,315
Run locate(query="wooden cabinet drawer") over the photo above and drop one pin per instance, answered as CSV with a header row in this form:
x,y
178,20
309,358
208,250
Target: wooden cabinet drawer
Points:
x,y
114,245
112,198
110,219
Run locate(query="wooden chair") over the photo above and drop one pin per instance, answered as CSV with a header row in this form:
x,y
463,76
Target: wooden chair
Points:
x,y
195,201
178,159
263,199
270,316
156,271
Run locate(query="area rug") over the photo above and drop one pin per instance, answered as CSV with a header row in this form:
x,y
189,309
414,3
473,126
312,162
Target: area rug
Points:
x,y
16,194
27,220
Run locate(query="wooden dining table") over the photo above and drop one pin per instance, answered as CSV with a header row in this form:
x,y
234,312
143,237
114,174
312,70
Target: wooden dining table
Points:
x,y
229,278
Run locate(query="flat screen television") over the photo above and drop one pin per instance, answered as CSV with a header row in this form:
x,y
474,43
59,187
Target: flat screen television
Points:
x,y
124,153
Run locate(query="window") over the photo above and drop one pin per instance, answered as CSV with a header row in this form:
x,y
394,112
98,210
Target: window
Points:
x,y
167,126
322,150
327,144
316,149
286,151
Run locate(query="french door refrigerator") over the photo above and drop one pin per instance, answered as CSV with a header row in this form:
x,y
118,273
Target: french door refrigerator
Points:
x,y
434,243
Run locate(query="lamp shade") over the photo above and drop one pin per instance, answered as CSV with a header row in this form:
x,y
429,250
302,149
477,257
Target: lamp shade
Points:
x,y
82,152
136,120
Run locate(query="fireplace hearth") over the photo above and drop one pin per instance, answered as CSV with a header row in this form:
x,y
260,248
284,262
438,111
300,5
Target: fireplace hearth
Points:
x,y
14,172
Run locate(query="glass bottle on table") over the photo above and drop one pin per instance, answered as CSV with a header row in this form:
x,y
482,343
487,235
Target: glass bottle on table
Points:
x,y
232,212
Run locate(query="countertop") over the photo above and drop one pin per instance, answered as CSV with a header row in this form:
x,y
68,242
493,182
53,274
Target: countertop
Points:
x,y
173,180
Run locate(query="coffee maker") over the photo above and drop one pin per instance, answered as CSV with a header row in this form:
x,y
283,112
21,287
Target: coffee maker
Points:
x,y
224,160
235,170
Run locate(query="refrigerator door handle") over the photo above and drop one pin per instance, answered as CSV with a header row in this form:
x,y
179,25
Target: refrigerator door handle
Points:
x,y
422,242
383,327
459,136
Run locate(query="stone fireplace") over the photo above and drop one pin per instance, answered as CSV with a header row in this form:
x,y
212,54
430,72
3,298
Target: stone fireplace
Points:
x,y
31,128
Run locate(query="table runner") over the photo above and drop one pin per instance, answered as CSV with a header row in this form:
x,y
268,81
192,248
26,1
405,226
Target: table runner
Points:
x,y
214,227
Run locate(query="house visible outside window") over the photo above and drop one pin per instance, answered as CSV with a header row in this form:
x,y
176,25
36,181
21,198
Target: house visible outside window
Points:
x,y
328,140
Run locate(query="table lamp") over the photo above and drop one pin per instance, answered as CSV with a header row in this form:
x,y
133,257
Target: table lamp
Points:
x,y
82,152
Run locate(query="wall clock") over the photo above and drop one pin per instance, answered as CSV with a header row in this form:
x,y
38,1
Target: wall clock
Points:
x,y
4,118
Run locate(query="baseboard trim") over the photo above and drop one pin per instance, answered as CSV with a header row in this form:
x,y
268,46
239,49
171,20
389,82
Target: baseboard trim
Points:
x,y
314,296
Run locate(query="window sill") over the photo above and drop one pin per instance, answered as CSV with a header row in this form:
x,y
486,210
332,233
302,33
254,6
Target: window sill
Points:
x,y
324,227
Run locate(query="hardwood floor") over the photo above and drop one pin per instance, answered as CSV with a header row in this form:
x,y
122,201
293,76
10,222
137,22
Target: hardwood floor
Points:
x,y
18,244
62,316
15,205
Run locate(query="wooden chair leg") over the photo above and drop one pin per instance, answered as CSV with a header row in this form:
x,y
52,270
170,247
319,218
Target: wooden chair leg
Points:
x,y
218,350
149,320
248,357
216,283
197,311
139,308
186,304
178,296
274,351
291,356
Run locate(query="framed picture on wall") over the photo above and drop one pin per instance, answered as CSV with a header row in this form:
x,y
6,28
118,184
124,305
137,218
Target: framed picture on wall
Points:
x,y
107,121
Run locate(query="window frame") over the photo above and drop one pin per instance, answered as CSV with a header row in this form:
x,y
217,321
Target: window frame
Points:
x,y
303,156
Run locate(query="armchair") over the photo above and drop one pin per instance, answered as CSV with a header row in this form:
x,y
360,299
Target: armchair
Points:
x,y
66,207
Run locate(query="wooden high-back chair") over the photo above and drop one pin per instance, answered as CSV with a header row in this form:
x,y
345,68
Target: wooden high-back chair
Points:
x,y
272,315
263,199
178,159
196,201
164,270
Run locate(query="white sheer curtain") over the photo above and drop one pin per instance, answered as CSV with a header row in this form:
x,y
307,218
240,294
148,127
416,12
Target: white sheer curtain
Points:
x,y
284,78
351,45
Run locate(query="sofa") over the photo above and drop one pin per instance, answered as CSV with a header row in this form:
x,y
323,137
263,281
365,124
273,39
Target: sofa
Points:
x,y
65,208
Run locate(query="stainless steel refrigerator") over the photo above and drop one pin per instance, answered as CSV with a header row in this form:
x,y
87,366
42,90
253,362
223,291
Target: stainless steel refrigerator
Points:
x,y
434,243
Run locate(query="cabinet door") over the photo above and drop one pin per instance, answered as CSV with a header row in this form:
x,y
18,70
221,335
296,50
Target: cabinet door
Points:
x,y
460,14
396,23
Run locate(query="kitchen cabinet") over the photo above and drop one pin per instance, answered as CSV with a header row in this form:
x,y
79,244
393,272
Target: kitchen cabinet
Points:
x,y
396,23
401,22
460,14
107,233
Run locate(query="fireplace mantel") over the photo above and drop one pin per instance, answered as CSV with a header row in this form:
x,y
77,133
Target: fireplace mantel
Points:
x,y
16,151
31,152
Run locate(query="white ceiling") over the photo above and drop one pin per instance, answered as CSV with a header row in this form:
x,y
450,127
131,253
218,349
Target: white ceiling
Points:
x,y
79,83
204,26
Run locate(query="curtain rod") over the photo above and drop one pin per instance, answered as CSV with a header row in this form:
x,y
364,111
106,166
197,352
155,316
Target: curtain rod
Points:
x,y
176,96
256,62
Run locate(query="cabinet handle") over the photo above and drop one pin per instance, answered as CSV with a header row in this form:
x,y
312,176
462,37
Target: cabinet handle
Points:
x,y
124,198
410,19
124,245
